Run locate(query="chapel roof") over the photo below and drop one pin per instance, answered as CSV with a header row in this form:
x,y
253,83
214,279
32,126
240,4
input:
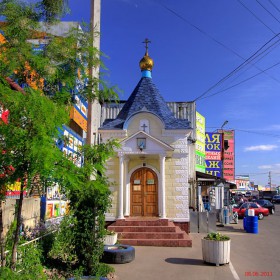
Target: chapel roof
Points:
x,y
146,98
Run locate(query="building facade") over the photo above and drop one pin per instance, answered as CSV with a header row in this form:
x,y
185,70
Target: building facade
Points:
x,y
150,173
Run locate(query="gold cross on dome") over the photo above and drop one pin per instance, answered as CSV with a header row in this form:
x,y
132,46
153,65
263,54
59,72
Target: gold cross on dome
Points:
x,y
146,42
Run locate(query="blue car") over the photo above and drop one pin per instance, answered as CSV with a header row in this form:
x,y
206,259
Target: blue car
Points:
x,y
276,199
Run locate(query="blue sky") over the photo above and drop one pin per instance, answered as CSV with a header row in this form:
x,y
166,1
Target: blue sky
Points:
x,y
196,46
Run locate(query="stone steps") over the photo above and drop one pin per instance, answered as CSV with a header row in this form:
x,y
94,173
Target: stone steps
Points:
x,y
151,235
150,232
121,229
158,242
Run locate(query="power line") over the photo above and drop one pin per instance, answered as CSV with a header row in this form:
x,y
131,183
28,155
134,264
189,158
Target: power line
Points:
x,y
260,133
241,82
249,131
241,3
257,173
247,61
215,40
274,5
267,10
261,72
198,28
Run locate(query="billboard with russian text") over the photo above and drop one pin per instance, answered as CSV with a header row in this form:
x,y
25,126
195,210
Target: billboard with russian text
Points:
x,y
228,155
213,149
200,143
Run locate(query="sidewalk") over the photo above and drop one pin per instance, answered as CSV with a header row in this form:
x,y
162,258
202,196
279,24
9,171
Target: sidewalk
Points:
x,y
180,263
253,257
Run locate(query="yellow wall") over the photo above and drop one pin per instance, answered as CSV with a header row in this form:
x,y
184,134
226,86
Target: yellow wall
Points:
x,y
155,124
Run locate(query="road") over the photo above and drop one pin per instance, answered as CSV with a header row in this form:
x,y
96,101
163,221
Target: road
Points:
x,y
253,256
257,256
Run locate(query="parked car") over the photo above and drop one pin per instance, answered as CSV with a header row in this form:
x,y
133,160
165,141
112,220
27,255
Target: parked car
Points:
x,y
276,199
266,204
259,211
268,195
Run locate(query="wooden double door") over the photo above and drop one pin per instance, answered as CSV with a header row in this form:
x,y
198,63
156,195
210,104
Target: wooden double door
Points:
x,y
144,193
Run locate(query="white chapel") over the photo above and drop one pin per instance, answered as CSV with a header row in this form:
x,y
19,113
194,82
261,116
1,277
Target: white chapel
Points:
x,y
149,173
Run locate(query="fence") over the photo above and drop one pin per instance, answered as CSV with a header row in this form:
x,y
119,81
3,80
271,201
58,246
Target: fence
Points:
x,y
30,212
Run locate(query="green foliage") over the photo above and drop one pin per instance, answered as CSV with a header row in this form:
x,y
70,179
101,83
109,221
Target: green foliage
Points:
x,y
10,235
29,264
46,243
52,10
29,139
109,232
79,242
104,269
8,274
31,149
63,247
30,256
216,236
62,59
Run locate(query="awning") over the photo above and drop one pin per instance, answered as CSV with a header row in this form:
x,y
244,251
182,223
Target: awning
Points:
x,y
232,186
205,179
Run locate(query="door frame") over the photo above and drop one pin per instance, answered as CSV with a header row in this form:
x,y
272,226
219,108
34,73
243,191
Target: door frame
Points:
x,y
159,188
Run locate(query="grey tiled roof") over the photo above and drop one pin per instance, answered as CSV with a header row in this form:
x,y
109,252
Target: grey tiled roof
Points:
x,y
146,97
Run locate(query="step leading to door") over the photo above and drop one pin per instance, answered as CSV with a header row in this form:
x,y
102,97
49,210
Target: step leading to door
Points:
x,y
150,232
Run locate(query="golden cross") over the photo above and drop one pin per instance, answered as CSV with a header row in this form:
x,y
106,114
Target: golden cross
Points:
x,y
147,41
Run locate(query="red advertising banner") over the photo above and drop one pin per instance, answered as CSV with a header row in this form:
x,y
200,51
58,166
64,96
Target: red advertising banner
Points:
x,y
228,155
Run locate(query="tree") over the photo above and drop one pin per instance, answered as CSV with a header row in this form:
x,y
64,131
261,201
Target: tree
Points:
x,y
28,140
80,240
48,77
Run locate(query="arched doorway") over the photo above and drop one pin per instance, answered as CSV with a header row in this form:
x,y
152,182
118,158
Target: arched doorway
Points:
x,y
144,193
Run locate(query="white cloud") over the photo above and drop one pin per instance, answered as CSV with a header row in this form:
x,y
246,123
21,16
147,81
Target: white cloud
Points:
x,y
260,148
274,127
272,167
265,167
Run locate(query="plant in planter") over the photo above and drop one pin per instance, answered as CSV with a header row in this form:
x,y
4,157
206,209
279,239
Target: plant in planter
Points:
x,y
110,238
216,248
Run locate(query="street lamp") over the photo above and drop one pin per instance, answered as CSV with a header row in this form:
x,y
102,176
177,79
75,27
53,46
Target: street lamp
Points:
x,y
225,123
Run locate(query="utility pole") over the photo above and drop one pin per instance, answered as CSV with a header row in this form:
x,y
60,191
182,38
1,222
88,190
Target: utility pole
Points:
x,y
93,105
269,179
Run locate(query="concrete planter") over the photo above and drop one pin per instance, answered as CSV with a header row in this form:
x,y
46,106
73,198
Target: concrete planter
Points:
x,y
217,252
111,239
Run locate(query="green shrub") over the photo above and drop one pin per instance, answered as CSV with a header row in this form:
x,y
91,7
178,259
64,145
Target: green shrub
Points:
x,y
216,236
62,248
28,266
104,269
